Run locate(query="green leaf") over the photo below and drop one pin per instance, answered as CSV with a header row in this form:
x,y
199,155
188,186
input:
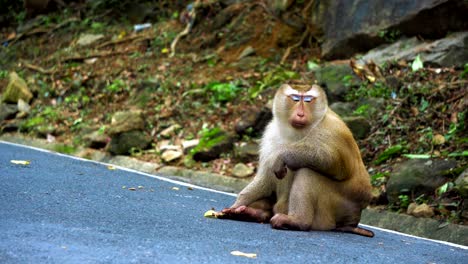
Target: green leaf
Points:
x,y
459,154
417,156
417,64
311,66
388,153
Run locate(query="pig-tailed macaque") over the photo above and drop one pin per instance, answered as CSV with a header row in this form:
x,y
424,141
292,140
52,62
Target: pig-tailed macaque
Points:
x,y
311,175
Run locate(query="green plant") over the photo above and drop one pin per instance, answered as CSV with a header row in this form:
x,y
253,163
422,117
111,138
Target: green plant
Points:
x,y
116,86
271,79
223,92
208,138
464,74
3,74
379,178
404,200
389,35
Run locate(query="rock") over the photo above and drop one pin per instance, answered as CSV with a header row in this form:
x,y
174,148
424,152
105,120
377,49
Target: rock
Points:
x,y
16,89
188,145
86,39
170,131
342,108
447,52
461,184
464,210
253,122
123,143
218,144
418,176
359,126
125,121
247,152
7,111
23,106
351,26
96,140
241,170
171,155
422,210
333,78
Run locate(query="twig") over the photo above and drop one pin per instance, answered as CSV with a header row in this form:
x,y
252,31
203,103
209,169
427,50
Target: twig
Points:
x,y
95,55
288,50
131,38
192,15
39,69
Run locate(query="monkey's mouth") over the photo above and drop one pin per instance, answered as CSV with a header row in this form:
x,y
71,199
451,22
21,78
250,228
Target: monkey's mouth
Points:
x,y
298,125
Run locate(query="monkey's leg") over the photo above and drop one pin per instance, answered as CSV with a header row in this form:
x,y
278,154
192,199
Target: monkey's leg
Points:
x,y
259,211
301,203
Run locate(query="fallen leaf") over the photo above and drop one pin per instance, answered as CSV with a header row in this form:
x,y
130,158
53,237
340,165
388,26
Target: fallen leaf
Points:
x,y
175,188
20,162
242,254
110,167
132,189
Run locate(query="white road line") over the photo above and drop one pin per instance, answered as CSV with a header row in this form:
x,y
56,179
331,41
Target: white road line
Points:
x,y
211,190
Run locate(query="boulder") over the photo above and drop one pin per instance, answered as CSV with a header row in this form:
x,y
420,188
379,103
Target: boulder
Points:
x,y
352,26
125,121
7,111
422,210
241,170
451,51
461,184
16,89
359,126
336,78
254,122
211,148
247,152
418,176
171,155
123,143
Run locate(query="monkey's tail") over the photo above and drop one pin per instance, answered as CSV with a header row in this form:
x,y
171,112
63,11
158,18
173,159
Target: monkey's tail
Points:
x,y
355,230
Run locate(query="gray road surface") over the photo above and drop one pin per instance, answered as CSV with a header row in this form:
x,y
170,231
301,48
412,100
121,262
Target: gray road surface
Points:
x,y
60,209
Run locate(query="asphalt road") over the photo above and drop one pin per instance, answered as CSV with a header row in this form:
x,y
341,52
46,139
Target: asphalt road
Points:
x,y
59,209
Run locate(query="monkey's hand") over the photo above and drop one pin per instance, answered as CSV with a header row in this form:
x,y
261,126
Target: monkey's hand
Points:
x,y
280,169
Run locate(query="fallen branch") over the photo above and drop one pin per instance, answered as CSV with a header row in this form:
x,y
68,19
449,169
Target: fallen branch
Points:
x,y
95,55
39,69
42,30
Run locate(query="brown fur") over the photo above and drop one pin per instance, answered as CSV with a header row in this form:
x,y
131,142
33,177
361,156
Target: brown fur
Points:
x,y
311,175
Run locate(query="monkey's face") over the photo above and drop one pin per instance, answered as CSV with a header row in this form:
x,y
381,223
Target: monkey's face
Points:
x,y
300,105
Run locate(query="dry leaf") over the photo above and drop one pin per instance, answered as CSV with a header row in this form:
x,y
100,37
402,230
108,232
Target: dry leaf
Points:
x,y
132,189
242,254
20,162
175,188
110,167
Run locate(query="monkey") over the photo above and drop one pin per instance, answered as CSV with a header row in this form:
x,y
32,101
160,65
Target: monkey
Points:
x,y
311,175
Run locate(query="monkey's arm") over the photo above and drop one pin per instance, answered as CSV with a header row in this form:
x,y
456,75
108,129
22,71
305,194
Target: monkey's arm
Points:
x,y
326,159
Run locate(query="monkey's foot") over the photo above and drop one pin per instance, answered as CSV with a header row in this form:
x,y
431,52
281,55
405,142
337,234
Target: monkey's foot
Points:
x,y
245,213
286,222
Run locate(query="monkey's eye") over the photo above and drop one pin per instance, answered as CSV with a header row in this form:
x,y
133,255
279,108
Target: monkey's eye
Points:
x,y
308,98
295,97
